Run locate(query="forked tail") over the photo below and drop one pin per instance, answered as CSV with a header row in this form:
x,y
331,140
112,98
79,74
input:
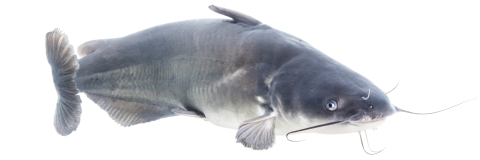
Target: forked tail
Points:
x,y
64,63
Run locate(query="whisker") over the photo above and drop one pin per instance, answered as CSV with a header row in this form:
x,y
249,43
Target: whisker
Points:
x,y
363,146
394,87
401,110
317,126
368,96
368,143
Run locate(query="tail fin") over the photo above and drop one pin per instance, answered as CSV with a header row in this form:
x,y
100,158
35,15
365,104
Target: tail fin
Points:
x,y
64,63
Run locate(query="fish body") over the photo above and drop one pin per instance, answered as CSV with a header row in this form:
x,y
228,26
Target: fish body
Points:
x,y
237,73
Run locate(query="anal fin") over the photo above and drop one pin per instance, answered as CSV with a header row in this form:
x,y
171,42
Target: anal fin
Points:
x,y
128,113
258,133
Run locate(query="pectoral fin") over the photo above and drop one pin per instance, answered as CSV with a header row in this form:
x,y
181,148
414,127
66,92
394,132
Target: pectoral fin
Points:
x,y
258,133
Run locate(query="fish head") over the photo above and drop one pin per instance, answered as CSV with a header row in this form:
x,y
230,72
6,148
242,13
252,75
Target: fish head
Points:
x,y
310,92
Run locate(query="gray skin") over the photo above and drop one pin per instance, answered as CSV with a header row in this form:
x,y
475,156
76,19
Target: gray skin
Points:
x,y
236,73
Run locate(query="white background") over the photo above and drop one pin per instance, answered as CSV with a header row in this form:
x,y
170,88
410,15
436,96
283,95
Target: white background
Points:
x,y
432,47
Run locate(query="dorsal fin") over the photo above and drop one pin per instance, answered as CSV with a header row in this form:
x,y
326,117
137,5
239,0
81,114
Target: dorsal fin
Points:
x,y
236,16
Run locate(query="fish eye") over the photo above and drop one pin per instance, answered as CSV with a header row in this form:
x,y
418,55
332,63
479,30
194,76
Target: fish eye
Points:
x,y
331,105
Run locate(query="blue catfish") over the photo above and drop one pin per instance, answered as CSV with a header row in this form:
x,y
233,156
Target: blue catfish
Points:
x,y
235,73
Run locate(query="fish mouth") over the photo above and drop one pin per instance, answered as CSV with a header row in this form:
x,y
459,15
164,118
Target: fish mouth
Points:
x,y
362,119
365,122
